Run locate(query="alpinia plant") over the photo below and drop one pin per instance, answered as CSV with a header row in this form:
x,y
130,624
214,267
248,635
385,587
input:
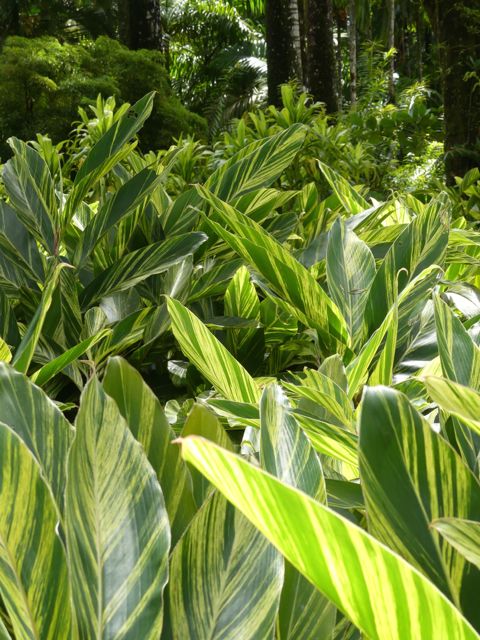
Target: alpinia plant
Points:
x,y
233,409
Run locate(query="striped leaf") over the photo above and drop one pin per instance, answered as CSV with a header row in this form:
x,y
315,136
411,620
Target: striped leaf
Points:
x,y
26,348
124,201
343,561
4,635
241,301
33,569
287,277
112,147
457,399
225,578
49,370
304,612
416,291
351,200
28,411
322,397
117,530
411,476
463,535
286,453
18,245
139,265
460,361
459,355
31,192
144,415
329,439
383,372
350,272
202,422
257,165
422,244
210,357
5,353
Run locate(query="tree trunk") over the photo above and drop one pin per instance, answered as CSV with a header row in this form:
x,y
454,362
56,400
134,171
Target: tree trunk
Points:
x,y
458,26
321,62
352,46
283,45
391,45
140,24
339,61
294,19
302,12
420,32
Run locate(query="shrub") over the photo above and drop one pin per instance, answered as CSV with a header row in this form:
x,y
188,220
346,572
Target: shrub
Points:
x,y
42,82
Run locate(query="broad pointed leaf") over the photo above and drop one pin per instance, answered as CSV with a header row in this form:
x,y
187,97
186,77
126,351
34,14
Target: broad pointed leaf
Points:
x,y
33,568
383,595
117,529
226,578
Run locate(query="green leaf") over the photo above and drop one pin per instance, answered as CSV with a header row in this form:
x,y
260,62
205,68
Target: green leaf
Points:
x,y
286,453
411,476
383,372
19,245
460,360
463,535
322,397
33,569
257,165
288,278
128,197
459,355
304,612
351,200
31,192
457,399
26,349
201,422
225,578
117,529
49,370
28,411
422,244
112,147
343,561
241,301
401,308
5,353
139,265
145,417
350,272
330,439
210,356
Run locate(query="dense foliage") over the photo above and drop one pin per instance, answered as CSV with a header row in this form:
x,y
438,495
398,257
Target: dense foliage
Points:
x,y
250,300
43,81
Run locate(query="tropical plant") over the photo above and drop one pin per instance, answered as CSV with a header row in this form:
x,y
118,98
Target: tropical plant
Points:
x,y
241,408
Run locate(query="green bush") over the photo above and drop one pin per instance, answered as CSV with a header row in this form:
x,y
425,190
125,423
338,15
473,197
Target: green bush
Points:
x,y
42,82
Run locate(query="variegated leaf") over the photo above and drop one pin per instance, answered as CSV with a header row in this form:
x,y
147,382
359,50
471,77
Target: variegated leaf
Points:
x,y
145,417
343,561
33,568
210,357
226,578
117,529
